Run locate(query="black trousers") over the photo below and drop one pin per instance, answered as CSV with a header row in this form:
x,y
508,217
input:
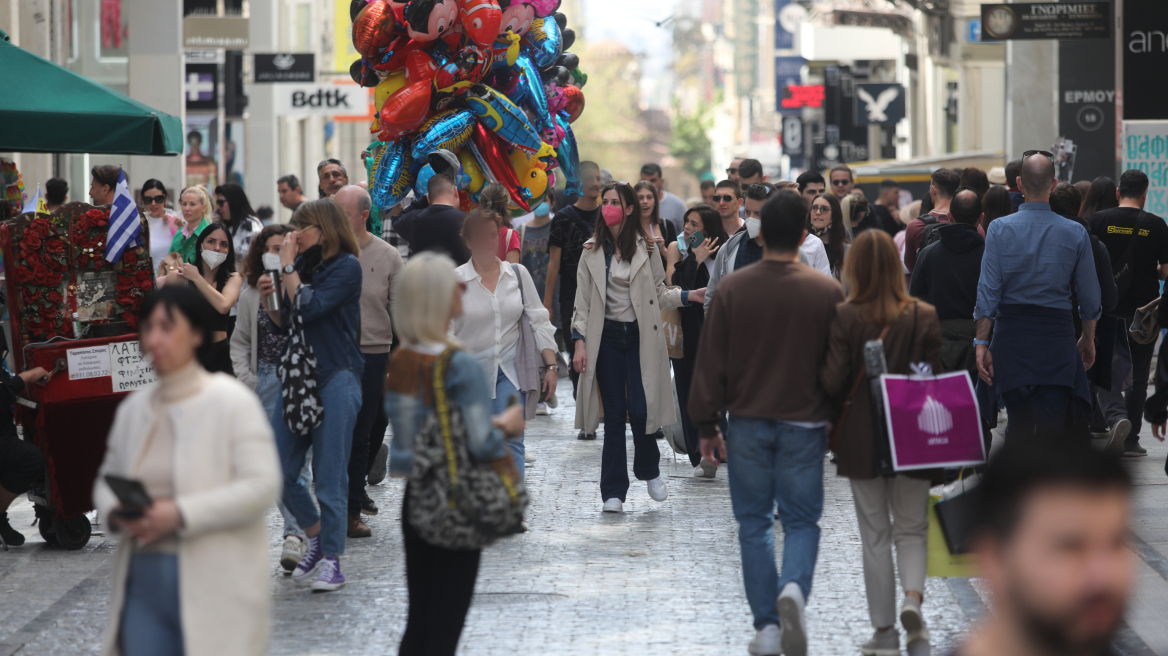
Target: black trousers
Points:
x,y
440,583
1141,355
682,378
372,392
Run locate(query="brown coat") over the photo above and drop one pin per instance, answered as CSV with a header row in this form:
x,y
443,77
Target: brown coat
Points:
x,y
856,452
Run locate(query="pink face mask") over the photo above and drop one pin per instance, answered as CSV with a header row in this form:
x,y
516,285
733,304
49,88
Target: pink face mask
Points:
x,y
612,215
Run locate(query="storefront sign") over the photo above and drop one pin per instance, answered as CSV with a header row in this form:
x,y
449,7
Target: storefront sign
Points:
x,y
1145,147
796,96
129,371
229,32
1145,58
91,362
788,71
201,88
879,103
285,67
1086,109
1046,20
323,100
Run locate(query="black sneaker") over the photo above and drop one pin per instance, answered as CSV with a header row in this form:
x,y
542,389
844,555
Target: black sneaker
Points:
x,y
585,436
11,536
367,506
1134,450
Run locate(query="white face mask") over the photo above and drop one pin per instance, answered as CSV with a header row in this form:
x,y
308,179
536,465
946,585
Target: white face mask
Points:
x,y
213,258
753,226
682,245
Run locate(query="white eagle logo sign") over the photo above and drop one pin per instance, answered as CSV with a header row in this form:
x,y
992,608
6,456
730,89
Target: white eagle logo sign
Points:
x,y
876,107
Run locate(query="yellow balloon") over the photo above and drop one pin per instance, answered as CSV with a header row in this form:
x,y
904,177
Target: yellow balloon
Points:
x,y
387,87
530,171
470,166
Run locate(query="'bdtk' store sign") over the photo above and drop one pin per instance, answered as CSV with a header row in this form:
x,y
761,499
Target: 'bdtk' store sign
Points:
x,y
322,100
1046,20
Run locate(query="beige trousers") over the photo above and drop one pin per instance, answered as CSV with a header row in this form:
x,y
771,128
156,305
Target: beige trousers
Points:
x,y
907,500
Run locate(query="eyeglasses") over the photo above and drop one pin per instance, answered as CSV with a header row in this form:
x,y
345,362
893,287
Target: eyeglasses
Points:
x,y
820,209
840,183
728,198
732,171
150,200
1030,153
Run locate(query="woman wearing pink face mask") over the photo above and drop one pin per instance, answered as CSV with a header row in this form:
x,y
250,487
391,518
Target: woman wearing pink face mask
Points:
x,y
619,344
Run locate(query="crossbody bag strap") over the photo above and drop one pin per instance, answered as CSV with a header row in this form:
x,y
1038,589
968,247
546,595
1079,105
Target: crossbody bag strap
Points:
x,y
863,372
442,408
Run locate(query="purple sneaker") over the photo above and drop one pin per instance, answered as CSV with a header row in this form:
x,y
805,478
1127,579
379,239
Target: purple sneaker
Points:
x,y
307,567
329,577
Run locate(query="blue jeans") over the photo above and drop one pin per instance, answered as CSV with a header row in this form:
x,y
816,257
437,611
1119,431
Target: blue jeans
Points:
x,y
330,443
618,375
503,391
151,624
772,461
268,389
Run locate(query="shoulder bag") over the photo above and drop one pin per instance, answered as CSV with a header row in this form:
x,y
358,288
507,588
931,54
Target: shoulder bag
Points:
x,y
303,410
455,502
837,427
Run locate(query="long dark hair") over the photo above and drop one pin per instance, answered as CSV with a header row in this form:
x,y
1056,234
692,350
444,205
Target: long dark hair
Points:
x,y
1100,197
655,216
189,302
237,202
711,222
995,203
837,234
228,267
152,183
253,262
626,241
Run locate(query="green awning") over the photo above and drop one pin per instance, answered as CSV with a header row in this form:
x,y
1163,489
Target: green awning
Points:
x,y
45,108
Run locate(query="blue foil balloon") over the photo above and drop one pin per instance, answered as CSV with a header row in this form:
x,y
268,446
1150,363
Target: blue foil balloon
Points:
x,y
422,185
450,130
533,92
501,116
569,158
546,41
392,179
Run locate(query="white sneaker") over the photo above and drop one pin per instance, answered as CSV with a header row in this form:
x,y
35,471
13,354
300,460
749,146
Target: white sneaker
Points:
x,y
767,642
613,506
791,604
541,409
552,402
884,642
294,549
917,638
706,469
657,489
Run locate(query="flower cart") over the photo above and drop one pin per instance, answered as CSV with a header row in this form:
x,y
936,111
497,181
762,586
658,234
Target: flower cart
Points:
x,y
75,314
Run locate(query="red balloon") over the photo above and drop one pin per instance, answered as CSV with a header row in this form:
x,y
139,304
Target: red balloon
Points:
x,y
405,110
494,153
575,106
420,66
373,29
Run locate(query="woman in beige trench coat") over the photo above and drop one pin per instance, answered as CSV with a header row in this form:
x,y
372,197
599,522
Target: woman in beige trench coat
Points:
x,y
191,575
620,347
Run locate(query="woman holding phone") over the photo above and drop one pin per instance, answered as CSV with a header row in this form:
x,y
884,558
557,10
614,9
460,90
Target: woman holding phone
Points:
x,y
191,570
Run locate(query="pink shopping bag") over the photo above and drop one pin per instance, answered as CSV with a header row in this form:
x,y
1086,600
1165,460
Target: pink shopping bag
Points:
x,y
933,421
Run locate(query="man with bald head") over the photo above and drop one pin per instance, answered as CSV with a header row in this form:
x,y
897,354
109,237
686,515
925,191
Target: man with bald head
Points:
x,y
1034,262
380,263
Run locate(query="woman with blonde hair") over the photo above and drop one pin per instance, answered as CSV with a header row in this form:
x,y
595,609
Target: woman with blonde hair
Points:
x,y
878,307
196,209
440,582
321,279
495,197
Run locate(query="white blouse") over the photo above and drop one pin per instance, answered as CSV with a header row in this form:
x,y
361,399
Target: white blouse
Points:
x,y
618,301
489,325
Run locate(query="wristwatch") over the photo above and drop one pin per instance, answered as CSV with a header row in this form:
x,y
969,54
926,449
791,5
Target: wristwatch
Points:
x,y
289,269
553,367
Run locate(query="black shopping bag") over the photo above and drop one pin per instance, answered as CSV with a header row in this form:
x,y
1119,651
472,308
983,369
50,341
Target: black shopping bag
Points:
x,y
958,517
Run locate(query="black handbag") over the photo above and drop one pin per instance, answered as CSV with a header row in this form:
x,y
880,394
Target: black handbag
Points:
x,y
958,519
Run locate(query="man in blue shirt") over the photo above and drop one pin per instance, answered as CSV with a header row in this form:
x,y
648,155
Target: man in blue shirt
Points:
x,y
1033,261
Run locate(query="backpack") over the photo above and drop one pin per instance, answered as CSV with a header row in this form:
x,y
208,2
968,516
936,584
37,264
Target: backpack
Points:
x,y
931,225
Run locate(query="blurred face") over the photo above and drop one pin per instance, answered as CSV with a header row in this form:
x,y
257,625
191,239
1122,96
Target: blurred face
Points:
x,y
646,201
332,178
273,244
890,196
754,208
217,241
820,213
654,180
155,202
1067,571
812,190
483,242
101,194
708,196
289,197
192,207
222,207
732,172
841,183
726,202
169,340
590,179
693,223
744,181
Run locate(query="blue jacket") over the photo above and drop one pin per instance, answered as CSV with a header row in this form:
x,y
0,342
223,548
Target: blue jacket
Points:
x,y
331,310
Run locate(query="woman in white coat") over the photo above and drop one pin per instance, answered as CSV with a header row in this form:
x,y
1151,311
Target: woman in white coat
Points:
x,y
499,297
191,571
619,345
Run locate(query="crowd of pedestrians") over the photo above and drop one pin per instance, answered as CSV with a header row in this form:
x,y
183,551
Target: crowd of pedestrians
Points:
x,y
451,327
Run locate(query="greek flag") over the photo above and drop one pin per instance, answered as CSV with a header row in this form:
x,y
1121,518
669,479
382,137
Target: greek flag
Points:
x,y
124,225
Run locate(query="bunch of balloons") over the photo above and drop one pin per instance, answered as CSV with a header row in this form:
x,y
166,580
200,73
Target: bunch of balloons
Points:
x,y
489,80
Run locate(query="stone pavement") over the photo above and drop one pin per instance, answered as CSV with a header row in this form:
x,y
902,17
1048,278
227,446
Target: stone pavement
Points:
x,y
663,578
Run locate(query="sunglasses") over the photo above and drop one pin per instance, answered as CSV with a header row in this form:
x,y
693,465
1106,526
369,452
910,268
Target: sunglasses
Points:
x,y
150,200
732,171
840,183
820,209
728,198
1030,153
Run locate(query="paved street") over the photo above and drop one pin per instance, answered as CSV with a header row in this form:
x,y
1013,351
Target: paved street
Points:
x,y
663,578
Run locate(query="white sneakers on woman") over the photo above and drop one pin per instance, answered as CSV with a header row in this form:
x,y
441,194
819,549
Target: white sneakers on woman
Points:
x,y
657,489
613,506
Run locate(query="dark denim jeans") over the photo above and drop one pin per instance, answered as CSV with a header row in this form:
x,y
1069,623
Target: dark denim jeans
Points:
x,y
618,375
1037,410
372,394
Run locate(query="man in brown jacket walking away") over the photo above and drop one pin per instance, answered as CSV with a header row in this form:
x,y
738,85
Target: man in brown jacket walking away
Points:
x,y
762,344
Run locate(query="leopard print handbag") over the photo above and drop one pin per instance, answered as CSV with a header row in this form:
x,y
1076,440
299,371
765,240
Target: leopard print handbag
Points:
x,y
297,371
454,502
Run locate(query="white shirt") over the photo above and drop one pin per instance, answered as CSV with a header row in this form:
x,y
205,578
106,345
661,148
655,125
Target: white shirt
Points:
x,y
160,239
489,325
618,299
816,254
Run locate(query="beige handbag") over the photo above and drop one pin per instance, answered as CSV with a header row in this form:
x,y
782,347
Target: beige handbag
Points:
x,y
1145,326
671,324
